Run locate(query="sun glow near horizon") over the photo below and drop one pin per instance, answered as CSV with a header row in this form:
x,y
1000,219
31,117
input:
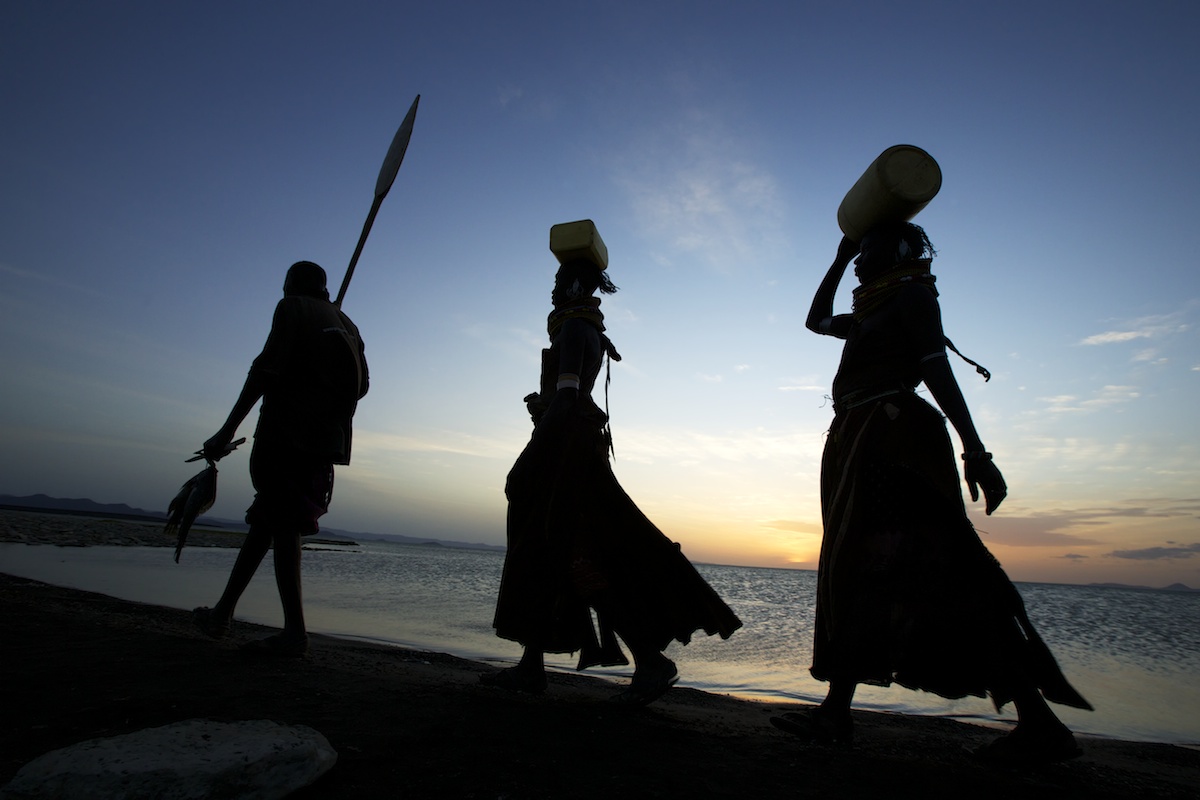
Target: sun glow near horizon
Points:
x,y
136,303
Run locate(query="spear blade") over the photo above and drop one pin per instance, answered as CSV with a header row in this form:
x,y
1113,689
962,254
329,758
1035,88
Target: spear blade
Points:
x,y
387,176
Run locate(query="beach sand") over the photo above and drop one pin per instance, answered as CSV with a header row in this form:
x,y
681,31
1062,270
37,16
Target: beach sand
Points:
x,y
405,723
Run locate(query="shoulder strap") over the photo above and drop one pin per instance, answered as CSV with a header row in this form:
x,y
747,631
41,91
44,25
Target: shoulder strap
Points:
x,y
611,355
987,376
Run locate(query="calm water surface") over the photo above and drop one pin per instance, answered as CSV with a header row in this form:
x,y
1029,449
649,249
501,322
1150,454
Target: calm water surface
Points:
x,y
1134,654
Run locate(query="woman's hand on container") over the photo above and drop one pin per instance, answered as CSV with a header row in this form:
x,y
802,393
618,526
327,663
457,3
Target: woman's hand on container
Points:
x,y
847,250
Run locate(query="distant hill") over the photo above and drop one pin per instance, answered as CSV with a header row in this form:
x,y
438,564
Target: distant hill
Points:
x,y
84,506
42,502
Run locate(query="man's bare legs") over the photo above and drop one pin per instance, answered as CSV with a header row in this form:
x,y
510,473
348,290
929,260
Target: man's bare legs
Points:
x,y
287,581
253,550
215,621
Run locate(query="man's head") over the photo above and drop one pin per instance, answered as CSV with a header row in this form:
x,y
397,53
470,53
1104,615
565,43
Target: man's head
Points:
x,y
888,245
578,279
306,279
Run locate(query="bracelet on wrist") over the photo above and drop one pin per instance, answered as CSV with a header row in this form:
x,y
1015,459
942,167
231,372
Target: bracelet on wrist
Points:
x,y
977,455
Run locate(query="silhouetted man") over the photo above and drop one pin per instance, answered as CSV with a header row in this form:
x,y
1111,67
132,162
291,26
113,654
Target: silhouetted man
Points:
x,y
310,376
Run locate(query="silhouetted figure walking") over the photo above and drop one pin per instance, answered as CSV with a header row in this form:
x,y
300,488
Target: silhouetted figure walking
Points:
x,y
310,376
907,592
576,541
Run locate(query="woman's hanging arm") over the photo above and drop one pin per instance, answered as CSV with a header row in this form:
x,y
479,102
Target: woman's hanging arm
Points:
x,y
923,319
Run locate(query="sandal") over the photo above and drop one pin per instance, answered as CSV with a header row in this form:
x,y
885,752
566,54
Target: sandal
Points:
x,y
515,679
281,645
644,689
209,623
816,725
1022,749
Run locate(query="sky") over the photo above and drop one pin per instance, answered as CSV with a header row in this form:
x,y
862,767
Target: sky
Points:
x,y
161,164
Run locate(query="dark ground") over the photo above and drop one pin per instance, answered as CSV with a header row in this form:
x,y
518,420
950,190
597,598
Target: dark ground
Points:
x,y
76,666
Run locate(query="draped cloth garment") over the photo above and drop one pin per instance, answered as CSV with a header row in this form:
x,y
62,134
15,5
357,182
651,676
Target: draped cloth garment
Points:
x,y
907,592
577,543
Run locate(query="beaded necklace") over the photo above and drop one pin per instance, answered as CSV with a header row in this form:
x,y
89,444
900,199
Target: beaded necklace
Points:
x,y
870,297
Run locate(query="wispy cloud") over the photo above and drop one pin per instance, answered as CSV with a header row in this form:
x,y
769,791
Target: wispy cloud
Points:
x,y
1104,398
692,188
1039,529
741,446
1157,326
1077,528
1113,337
1150,507
805,383
48,280
511,99
508,93
378,445
1159,553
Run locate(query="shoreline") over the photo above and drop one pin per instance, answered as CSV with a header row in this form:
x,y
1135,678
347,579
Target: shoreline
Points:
x,y
86,529
413,723
80,665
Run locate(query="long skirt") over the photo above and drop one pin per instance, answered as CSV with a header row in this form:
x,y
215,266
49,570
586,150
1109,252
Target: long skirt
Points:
x,y
907,592
577,543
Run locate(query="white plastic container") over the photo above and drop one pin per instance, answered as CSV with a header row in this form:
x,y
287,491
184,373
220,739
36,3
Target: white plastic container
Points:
x,y
894,188
574,240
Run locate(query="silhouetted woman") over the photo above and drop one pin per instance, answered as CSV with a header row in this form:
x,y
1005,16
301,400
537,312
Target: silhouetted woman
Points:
x,y
907,592
576,541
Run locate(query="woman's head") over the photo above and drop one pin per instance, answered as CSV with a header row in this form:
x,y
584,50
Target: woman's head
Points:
x,y
886,246
578,279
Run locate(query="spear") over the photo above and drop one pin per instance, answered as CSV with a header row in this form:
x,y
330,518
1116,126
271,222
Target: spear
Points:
x,y
387,175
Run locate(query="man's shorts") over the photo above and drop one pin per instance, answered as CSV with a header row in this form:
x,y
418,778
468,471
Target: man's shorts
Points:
x,y
292,490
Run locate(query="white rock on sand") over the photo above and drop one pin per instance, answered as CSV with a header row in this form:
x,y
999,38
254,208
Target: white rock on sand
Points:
x,y
191,759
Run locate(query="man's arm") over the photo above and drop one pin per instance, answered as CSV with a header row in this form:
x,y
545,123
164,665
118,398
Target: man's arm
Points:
x,y
252,392
261,375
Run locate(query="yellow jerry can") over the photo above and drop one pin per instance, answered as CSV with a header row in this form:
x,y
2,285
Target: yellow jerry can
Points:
x,y
574,240
894,188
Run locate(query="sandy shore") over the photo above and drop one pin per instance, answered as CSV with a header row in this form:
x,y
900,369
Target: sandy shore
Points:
x,y
405,723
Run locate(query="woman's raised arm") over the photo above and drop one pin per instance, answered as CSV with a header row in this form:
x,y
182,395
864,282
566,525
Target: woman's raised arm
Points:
x,y
821,318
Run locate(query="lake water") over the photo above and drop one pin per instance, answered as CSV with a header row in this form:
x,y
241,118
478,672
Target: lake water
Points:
x,y
1135,654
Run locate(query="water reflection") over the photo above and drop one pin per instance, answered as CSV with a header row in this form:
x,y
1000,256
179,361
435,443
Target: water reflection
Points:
x,y
1134,654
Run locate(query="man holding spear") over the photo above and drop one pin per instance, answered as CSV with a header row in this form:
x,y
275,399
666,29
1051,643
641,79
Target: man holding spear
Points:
x,y
310,376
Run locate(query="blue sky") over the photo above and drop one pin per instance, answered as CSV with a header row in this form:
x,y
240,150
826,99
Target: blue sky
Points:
x,y
162,163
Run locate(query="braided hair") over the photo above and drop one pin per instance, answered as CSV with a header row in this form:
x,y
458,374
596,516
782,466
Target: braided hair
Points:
x,y
908,241
591,278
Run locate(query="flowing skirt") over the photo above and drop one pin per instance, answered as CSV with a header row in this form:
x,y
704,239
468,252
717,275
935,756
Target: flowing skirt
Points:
x,y
577,543
907,592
